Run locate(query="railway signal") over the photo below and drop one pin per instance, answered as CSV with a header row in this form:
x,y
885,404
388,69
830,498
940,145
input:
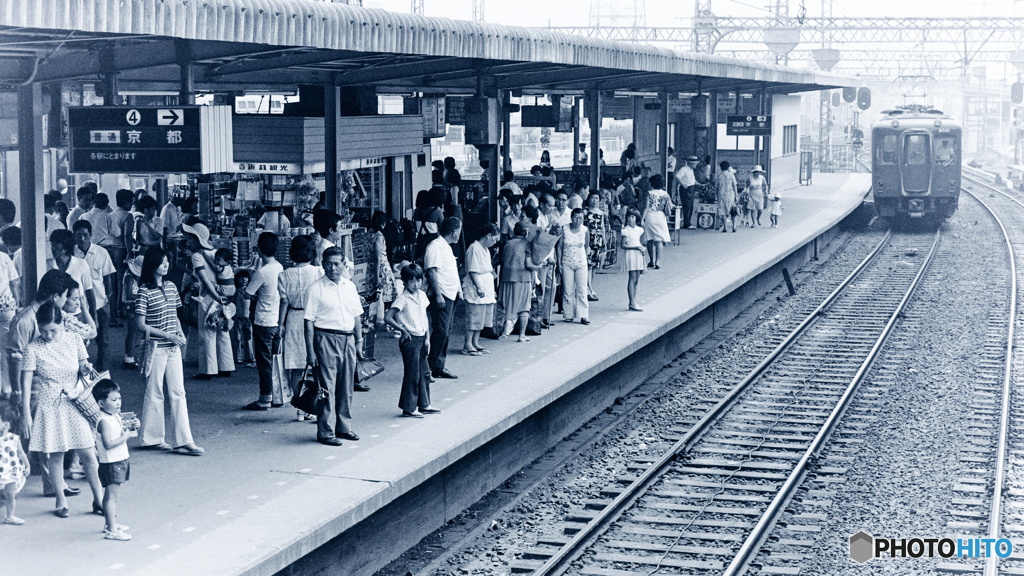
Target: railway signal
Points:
x,y
864,98
1017,93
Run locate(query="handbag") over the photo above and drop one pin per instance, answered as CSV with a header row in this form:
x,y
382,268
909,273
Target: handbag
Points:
x,y
366,369
310,397
81,396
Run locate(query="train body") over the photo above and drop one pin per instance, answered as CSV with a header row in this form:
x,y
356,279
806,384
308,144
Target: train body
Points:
x,y
915,164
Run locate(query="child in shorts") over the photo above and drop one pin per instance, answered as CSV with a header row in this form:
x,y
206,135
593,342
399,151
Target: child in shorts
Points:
x,y
14,469
112,435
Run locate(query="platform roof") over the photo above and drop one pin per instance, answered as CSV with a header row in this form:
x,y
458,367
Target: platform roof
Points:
x,y
278,44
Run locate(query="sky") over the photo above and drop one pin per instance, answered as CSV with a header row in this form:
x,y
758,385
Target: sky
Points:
x,y
669,12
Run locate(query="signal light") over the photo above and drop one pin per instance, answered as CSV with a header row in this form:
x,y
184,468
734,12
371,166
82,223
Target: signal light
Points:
x,y
1017,93
849,94
864,98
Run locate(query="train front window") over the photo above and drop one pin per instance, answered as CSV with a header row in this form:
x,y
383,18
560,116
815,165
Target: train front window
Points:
x,y
916,149
887,150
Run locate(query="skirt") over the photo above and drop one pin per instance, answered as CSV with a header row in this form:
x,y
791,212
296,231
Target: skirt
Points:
x,y
656,227
58,426
635,261
293,340
515,298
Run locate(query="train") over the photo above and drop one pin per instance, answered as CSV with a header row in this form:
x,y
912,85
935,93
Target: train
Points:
x,y
915,164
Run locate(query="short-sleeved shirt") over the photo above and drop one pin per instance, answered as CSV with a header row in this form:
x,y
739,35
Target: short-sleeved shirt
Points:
x,y
100,266
411,311
439,256
102,224
333,306
159,309
55,363
478,261
76,213
170,218
23,330
268,299
79,271
8,273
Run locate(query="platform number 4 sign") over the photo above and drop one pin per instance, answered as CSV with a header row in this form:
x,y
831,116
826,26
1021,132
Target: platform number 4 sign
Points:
x,y
133,117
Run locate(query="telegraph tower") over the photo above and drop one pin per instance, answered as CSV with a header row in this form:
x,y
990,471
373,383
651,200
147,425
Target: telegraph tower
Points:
x,y
630,14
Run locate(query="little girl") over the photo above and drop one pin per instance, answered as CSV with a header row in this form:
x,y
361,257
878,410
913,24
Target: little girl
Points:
x,y
776,207
14,469
635,254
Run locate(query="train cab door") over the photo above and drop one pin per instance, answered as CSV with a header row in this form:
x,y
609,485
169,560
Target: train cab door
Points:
x,y
916,165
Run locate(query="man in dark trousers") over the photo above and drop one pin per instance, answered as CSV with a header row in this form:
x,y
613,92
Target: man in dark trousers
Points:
x,y
445,290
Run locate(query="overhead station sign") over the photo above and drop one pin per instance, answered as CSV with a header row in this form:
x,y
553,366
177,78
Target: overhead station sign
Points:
x,y
748,126
146,140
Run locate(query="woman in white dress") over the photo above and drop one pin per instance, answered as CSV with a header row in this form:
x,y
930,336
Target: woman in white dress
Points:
x,y
293,285
727,196
757,188
655,219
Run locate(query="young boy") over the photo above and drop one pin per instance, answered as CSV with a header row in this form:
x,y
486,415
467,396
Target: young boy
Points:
x,y
112,435
265,331
408,315
242,332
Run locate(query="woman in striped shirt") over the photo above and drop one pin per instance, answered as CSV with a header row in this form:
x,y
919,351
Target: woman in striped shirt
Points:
x,y
156,317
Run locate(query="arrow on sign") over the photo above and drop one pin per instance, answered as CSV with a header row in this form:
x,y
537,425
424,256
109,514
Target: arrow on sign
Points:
x,y
170,117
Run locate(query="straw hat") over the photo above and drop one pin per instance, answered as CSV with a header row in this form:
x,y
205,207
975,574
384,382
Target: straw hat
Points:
x,y
692,159
201,232
757,169
135,265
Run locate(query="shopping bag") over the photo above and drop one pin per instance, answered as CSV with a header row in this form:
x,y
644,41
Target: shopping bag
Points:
x,y
81,396
366,369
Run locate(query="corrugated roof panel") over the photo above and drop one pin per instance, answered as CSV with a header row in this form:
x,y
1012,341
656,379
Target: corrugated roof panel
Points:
x,y
327,25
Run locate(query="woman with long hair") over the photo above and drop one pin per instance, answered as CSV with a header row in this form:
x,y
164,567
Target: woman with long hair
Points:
x,y
156,318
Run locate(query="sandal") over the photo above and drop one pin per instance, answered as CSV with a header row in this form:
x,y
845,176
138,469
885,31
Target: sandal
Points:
x,y
159,446
471,352
483,350
189,450
636,309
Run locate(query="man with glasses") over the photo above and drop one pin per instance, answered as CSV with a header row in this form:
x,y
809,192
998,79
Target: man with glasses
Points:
x,y
334,335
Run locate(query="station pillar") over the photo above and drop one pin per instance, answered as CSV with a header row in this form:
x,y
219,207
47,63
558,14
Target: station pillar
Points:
x,y
506,132
575,131
332,96
593,107
665,141
30,160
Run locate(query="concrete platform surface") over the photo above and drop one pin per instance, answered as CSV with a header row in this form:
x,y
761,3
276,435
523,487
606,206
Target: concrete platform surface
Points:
x,y
265,493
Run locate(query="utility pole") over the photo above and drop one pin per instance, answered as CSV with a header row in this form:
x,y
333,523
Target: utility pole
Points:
x,y
478,10
417,7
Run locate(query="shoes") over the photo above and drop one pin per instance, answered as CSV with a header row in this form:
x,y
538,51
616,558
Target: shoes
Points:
x,y
657,267
585,321
408,414
650,265
442,373
160,446
120,528
97,508
523,339
61,512
591,298
360,388
302,416
431,378
118,535
348,436
189,450
13,520
130,364
636,309
203,377
74,473
68,492
430,410
276,405
256,407
224,374
734,230
568,320
329,441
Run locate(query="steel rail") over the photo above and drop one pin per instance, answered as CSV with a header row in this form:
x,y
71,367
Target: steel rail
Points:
x,y
751,546
559,562
995,514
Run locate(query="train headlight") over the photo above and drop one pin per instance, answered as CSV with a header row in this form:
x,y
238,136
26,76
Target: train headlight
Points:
x,y
938,123
895,123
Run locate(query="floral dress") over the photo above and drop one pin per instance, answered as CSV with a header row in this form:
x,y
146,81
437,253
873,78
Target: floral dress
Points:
x,y
57,426
11,468
595,222
385,276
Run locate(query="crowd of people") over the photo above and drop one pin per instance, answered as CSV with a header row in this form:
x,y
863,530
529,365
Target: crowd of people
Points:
x,y
120,267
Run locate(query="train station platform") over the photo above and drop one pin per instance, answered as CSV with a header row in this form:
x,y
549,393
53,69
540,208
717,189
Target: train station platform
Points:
x,y
265,494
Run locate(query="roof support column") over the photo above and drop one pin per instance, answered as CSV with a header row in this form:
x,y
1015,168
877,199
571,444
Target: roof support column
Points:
x,y
109,77
188,89
665,141
593,107
713,131
575,131
30,161
766,109
332,96
506,131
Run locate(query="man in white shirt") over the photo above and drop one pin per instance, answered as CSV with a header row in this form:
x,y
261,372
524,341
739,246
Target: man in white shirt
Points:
x,y
584,159
563,215
265,330
171,217
101,272
328,231
445,290
334,334
64,259
687,183
86,197
101,221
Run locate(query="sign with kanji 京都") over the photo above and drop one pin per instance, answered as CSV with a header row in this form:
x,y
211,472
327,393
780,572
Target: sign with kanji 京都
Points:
x,y
748,126
141,140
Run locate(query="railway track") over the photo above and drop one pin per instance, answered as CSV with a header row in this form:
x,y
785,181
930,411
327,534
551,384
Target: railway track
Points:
x,y
709,502
1003,496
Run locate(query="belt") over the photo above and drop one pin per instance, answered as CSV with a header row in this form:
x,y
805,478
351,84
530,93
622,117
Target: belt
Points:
x,y
337,332
294,308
